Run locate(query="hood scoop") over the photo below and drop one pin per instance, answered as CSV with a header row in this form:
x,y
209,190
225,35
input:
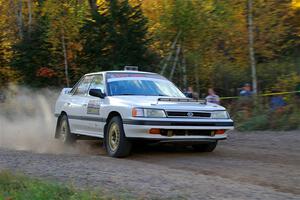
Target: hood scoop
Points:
x,y
180,100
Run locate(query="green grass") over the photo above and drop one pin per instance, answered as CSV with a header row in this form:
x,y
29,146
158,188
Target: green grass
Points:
x,y
263,118
20,187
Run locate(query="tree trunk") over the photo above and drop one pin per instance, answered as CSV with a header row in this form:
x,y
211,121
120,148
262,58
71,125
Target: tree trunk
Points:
x,y
197,82
20,18
171,53
184,73
65,59
251,46
29,15
175,62
297,59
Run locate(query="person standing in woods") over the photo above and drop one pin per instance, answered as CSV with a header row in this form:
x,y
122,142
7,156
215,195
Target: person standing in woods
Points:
x,y
212,97
189,92
246,91
246,101
277,103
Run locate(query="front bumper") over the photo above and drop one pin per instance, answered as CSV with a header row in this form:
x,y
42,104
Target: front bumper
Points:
x,y
139,128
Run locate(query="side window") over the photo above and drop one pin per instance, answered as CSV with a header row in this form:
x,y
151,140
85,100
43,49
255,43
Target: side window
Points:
x,y
83,86
76,85
97,82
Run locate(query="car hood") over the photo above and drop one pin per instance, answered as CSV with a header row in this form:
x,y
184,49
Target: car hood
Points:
x,y
152,101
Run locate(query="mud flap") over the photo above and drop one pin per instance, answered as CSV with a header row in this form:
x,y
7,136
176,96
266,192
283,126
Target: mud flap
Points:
x,y
56,136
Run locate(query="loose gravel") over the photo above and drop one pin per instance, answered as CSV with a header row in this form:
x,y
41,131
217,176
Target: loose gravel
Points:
x,y
253,165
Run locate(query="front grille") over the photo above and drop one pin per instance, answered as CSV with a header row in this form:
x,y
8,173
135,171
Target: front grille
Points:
x,y
201,114
188,114
177,114
177,132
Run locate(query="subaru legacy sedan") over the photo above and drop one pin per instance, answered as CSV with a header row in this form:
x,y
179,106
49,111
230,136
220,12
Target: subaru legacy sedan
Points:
x,y
122,107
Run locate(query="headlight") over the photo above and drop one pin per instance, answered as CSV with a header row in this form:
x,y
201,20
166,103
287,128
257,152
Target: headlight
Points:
x,y
220,115
146,112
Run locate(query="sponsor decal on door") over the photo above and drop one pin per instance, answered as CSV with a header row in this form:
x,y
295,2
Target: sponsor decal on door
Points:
x,y
93,107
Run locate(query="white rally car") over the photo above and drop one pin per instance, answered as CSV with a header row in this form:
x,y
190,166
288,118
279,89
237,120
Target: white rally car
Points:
x,y
125,106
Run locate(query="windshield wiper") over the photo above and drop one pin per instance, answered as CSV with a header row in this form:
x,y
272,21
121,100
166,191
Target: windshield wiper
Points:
x,y
162,95
141,94
126,94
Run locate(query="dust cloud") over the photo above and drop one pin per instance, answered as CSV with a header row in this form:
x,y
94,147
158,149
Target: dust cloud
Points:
x,y
27,121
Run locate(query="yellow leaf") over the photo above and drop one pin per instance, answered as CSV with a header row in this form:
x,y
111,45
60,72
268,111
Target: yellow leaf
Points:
x,y
296,4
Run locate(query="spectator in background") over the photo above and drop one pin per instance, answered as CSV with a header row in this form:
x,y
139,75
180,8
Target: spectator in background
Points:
x,y
246,91
189,92
212,97
277,102
245,103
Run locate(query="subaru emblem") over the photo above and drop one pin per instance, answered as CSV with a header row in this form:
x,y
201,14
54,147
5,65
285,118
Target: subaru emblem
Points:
x,y
190,114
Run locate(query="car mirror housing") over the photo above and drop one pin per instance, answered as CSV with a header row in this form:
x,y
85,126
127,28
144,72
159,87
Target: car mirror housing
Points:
x,y
97,93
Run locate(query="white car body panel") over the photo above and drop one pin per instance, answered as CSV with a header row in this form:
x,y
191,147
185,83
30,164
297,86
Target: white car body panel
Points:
x,y
88,115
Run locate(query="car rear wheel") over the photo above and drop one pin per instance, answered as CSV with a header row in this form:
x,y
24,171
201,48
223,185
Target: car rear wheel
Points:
x,y
65,134
116,144
208,147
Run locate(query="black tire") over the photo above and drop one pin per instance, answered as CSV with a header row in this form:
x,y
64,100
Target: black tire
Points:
x,y
64,133
208,147
115,141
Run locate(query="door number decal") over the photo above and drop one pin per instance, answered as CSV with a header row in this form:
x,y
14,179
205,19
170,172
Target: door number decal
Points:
x,y
93,107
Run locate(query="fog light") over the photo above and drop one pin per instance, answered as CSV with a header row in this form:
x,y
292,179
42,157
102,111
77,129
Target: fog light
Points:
x,y
154,131
219,132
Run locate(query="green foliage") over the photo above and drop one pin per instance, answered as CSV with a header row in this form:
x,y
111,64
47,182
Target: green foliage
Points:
x,y
263,118
77,36
257,122
93,34
108,34
7,76
23,188
215,40
127,29
32,53
115,37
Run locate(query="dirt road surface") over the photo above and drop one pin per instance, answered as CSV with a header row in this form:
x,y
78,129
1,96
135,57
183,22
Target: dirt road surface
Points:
x,y
261,165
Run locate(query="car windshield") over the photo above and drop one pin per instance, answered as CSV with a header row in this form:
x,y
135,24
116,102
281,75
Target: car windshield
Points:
x,y
143,86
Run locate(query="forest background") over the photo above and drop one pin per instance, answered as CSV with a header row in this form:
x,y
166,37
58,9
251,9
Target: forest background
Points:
x,y
52,43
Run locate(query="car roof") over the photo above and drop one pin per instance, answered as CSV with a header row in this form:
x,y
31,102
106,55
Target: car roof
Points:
x,y
120,71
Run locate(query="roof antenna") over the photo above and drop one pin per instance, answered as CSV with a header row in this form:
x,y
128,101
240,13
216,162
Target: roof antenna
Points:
x,y
131,68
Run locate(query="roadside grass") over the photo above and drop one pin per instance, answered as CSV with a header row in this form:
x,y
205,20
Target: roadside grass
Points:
x,y
262,118
20,187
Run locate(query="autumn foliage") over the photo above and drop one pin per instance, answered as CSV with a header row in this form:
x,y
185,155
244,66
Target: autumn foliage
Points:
x,y
205,42
45,72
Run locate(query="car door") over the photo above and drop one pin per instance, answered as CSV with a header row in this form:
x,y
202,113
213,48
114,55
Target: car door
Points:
x,y
78,105
93,111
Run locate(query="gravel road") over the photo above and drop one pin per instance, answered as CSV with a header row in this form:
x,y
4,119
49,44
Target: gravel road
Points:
x,y
256,165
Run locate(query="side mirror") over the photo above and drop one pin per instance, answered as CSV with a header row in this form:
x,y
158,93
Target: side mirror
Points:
x,y
97,93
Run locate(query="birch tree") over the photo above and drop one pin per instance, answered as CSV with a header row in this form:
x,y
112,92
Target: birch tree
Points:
x,y
66,19
251,45
19,13
29,6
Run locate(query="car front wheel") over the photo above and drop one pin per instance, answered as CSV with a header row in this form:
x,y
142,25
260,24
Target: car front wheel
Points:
x,y
116,144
